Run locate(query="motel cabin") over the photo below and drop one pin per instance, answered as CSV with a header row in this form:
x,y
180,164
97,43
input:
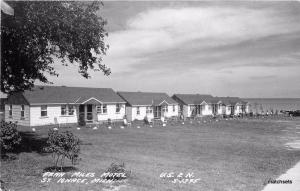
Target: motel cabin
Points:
x,y
233,106
140,105
47,105
192,105
195,104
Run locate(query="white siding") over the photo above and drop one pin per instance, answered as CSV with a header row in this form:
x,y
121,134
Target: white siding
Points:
x,y
170,112
128,112
189,111
228,110
111,113
53,111
16,115
207,110
186,111
142,114
54,114
221,110
247,108
237,109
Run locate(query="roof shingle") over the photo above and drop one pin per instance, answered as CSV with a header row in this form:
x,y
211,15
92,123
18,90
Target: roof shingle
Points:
x,y
193,99
146,98
63,94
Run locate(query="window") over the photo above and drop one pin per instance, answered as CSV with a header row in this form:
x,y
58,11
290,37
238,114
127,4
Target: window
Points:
x,y
22,111
104,109
71,109
63,110
67,110
149,110
99,109
44,110
138,110
165,108
118,108
243,108
174,108
10,111
220,106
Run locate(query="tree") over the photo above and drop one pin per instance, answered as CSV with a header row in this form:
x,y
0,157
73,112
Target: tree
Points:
x,y
39,31
9,136
63,145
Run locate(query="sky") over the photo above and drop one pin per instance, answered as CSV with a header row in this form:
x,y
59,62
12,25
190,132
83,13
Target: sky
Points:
x,y
245,49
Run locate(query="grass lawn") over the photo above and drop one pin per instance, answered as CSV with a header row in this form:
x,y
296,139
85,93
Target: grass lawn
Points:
x,y
225,155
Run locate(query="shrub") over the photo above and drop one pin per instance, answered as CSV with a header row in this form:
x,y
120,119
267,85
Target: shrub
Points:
x,y
81,121
9,136
63,145
117,169
109,122
146,120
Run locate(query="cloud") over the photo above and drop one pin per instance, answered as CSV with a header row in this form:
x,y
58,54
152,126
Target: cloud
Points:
x,y
218,48
162,29
266,77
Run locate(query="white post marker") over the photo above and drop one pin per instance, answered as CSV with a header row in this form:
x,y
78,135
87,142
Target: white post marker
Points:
x,y
125,122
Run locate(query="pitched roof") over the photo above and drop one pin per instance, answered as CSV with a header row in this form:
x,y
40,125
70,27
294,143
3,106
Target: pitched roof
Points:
x,y
63,94
190,99
196,99
146,98
231,100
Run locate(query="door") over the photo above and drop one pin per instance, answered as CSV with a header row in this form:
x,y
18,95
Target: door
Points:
x,y
89,113
157,111
198,110
201,110
215,109
81,113
232,110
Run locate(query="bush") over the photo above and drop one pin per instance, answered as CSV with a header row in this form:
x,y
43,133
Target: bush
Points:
x,y
81,121
117,169
9,136
63,145
109,122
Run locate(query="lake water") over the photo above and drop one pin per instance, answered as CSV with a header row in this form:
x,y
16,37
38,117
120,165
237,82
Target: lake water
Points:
x,y
268,104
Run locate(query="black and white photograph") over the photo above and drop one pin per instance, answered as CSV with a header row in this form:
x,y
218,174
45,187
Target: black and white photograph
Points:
x,y
150,95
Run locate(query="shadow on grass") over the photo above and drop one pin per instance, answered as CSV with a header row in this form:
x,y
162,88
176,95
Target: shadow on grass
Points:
x,y
8,156
60,169
31,142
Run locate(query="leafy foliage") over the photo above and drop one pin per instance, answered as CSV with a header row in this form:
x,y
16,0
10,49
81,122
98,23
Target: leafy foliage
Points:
x,y
63,145
9,136
41,31
81,121
117,169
